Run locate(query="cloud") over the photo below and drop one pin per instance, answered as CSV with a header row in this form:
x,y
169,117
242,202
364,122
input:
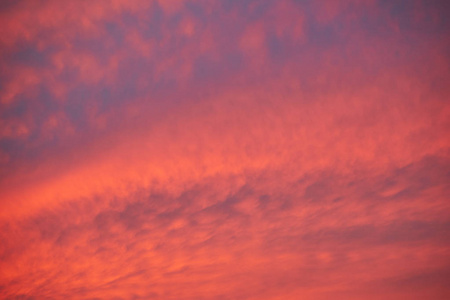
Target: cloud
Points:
x,y
198,150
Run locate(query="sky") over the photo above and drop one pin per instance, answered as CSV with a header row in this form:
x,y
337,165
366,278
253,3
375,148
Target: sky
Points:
x,y
226,149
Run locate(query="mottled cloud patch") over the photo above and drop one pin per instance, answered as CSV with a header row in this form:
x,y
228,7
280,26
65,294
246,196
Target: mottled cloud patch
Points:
x,y
231,149
266,236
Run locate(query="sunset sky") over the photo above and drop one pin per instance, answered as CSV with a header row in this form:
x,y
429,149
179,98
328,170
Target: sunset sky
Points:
x,y
225,149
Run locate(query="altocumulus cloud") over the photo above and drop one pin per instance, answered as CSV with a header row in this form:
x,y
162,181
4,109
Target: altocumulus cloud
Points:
x,y
224,150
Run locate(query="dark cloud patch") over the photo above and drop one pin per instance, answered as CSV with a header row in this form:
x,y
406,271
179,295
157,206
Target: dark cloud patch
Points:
x,y
9,6
28,55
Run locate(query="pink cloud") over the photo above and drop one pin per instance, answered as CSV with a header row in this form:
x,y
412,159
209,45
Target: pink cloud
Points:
x,y
249,150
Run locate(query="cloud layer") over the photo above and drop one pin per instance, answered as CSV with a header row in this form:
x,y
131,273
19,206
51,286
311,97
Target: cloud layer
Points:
x,y
224,150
